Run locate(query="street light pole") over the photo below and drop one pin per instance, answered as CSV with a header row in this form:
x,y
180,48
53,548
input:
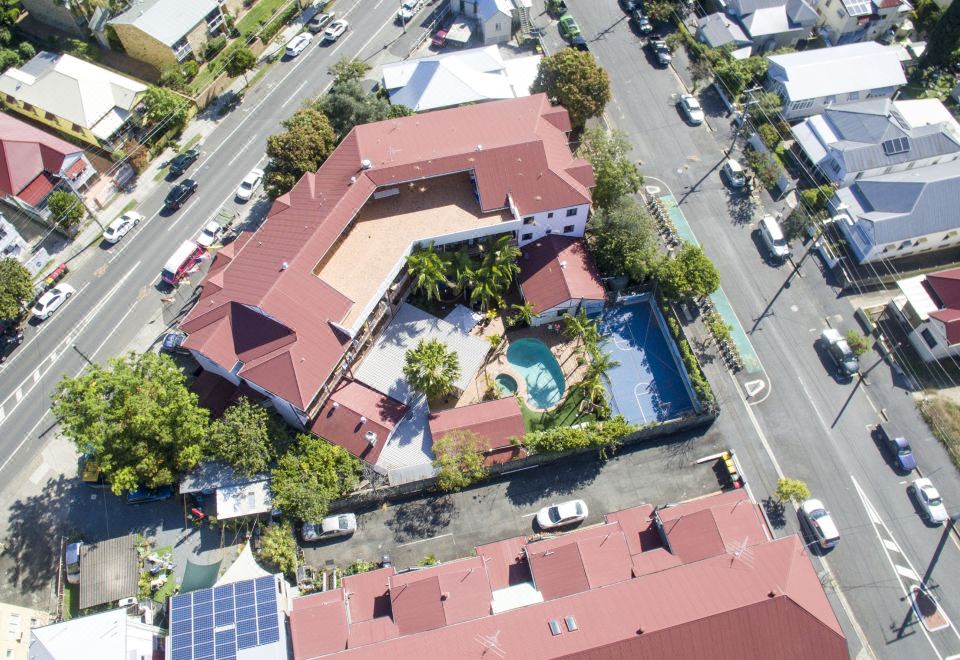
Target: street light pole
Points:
x,y
743,118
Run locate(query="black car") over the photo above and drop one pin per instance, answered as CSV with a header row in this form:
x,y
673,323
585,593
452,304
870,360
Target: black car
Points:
x,y
173,342
578,42
9,340
181,162
180,193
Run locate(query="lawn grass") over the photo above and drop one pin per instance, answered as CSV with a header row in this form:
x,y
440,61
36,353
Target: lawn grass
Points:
x,y
943,418
567,414
261,11
71,601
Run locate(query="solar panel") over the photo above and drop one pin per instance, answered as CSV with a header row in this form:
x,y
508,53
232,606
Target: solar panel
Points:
x,y
202,635
200,650
180,627
181,602
858,7
223,618
202,623
226,652
202,609
244,613
245,587
182,654
202,596
244,600
246,627
247,641
223,591
267,621
269,635
182,641
267,598
265,582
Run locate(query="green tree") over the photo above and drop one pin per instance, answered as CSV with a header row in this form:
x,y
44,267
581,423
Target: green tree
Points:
x,y
428,270
764,167
66,209
348,105
690,274
737,75
494,275
431,368
311,475
609,154
600,364
279,547
458,460
943,39
857,342
16,287
926,14
245,437
163,106
622,241
302,147
522,314
346,69
137,417
792,490
459,268
581,329
661,11
240,60
573,79
764,106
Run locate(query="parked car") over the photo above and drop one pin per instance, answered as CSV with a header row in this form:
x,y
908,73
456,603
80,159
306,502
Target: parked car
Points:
x,y
691,108
734,173
560,515
144,495
250,184
72,562
320,21
929,500
181,162
344,524
641,22
439,38
180,193
898,447
568,27
298,44
556,7
629,5
819,524
838,350
173,342
335,31
773,239
51,301
121,226
210,234
408,9
90,473
661,50
9,340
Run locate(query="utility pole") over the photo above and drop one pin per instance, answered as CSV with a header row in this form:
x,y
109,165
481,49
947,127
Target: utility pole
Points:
x,y
743,118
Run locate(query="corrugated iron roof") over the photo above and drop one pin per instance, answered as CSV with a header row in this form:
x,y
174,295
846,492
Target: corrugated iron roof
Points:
x,y
441,595
556,269
108,571
27,152
318,624
354,410
495,422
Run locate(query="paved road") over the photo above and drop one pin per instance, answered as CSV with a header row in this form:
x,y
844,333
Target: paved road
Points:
x,y
816,429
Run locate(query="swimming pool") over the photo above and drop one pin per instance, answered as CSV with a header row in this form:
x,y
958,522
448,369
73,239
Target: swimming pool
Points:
x,y
506,384
541,372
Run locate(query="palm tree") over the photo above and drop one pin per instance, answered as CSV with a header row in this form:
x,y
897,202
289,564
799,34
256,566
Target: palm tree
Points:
x,y
431,368
496,270
579,328
485,290
460,269
428,271
523,314
600,364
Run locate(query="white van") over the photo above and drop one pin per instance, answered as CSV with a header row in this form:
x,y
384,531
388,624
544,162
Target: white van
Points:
x,y
181,262
773,238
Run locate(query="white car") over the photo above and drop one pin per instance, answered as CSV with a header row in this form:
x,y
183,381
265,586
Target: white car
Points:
x,y
691,108
336,30
929,500
298,44
121,226
733,173
250,184
408,10
560,515
210,234
772,235
819,523
320,21
52,300
344,524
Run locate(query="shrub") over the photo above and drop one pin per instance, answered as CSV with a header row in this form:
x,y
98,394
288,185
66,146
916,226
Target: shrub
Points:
x,y
214,46
277,24
360,566
602,435
769,135
459,460
792,490
280,548
858,343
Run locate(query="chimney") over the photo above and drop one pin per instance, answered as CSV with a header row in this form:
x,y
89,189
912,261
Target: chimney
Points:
x,y
335,405
444,596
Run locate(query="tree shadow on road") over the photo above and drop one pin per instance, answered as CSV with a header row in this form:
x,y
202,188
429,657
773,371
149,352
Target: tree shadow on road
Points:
x,y
775,512
561,478
422,519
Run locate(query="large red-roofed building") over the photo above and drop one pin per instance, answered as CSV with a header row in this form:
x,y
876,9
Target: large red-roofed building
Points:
x,y
557,278
928,307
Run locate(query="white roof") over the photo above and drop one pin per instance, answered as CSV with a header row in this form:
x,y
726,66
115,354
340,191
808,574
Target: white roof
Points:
x,y
852,68
110,634
813,134
244,500
518,595
469,76
73,89
487,9
167,21
926,112
244,567
918,296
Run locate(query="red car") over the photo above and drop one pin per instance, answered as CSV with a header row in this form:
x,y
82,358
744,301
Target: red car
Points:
x,y
439,39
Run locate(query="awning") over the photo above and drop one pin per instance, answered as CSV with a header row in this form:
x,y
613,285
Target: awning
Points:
x,y
111,122
244,500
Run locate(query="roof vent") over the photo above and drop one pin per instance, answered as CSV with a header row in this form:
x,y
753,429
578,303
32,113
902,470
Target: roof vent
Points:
x,y
444,596
284,266
365,164
479,147
371,437
563,264
353,180
555,627
772,593
571,622
363,420
335,405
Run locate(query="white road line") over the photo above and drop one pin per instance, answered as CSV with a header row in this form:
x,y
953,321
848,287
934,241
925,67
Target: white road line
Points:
x,y
907,572
432,538
529,515
124,244
295,94
115,328
19,395
243,149
36,374
23,348
815,409
183,213
892,546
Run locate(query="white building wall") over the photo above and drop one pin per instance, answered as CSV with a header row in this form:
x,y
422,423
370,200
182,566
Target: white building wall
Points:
x,y
861,240
571,306
850,177
799,108
535,226
498,29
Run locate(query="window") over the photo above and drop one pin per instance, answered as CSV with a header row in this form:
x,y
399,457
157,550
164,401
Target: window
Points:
x,y
497,27
549,215
929,338
549,231
853,96
571,213
528,220
27,106
801,105
835,166
568,229
526,237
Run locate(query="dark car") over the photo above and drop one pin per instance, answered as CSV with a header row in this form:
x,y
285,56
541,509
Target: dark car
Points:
x,y
579,42
143,495
9,341
661,50
899,448
181,162
180,193
838,350
173,342
629,5
641,22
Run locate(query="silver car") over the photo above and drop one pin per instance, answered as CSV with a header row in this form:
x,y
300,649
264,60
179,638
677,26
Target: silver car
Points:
x,y
691,108
344,524
72,562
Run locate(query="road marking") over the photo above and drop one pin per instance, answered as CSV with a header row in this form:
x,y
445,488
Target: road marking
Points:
x,y
815,409
892,546
907,572
183,214
243,149
432,538
529,515
295,93
115,328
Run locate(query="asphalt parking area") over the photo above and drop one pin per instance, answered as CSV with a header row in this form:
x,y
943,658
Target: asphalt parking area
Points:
x,y
450,526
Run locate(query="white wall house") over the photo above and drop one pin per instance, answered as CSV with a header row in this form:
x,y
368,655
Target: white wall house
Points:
x,y
494,18
812,80
851,21
928,308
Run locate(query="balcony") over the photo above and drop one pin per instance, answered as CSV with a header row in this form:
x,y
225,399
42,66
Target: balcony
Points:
x,y
214,21
182,50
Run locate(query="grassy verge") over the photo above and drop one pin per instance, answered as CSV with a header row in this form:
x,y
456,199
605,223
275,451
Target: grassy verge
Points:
x,y
162,172
129,207
259,14
943,418
567,414
71,601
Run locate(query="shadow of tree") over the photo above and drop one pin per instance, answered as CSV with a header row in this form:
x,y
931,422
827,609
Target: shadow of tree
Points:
x,y
559,478
422,518
775,512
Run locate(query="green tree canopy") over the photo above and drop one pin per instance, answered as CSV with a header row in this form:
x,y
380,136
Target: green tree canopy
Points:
x,y
311,475
792,490
245,438
137,417
347,105
737,75
573,79
494,274
944,38
16,287
458,460
240,60
279,547
431,368
689,274
346,69
609,154
162,105
304,144
622,241
66,209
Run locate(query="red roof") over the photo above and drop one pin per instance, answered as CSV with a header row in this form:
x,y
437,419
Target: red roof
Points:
x,y
556,269
38,189
441,595
946,286
518,151
318,624
506,562
580,560
638,528
352,411
26,152
368,604
494,421
951,319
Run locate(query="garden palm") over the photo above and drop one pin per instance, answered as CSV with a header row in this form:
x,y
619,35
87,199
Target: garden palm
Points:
x,y
431,368
428,271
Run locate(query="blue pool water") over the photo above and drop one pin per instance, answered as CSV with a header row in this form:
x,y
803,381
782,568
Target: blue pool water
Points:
x,y
506,384
540,370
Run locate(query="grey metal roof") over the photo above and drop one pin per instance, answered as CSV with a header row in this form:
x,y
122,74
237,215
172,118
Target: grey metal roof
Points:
x,y
718,30
213,475
167,21
907,204
770,17
852,68
108,571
